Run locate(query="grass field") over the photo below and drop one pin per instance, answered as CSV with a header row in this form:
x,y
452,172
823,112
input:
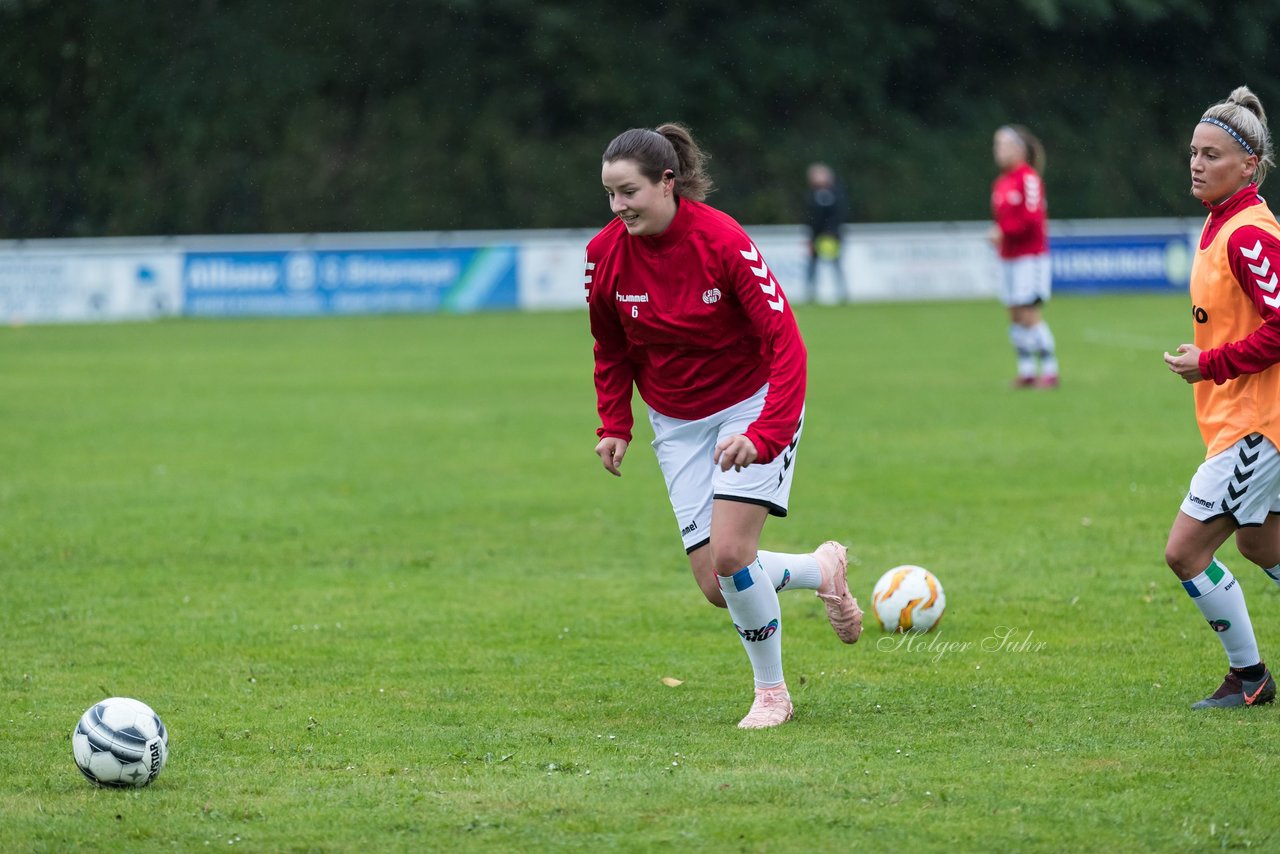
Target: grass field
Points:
x,y
371,575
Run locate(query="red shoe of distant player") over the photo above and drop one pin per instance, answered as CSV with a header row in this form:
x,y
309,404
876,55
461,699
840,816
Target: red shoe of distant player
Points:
x,y
1047,381
1023,382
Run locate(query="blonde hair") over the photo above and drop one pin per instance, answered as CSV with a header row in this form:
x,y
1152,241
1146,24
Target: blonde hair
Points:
x,y
1242,113
668,148
1031,144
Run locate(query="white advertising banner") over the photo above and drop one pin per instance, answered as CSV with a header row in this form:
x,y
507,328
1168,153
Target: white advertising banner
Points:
x,y
921,263
551,272
879,264
54,287
56,281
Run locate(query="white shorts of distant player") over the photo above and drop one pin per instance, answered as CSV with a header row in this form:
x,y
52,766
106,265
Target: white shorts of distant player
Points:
x,y
1025,281
1243,481
686,450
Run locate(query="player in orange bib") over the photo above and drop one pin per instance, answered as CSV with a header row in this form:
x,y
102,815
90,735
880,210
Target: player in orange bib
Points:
x,y
1235,295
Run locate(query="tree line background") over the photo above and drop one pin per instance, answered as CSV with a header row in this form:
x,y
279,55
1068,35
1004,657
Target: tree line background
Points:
x,y
139,117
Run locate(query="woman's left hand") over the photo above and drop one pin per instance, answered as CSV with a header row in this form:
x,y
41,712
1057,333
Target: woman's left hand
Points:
x,y
737,451
1186,364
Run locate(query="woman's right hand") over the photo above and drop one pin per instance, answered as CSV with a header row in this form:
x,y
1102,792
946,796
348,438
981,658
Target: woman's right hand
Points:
x,y
611,450
1186,364
994,237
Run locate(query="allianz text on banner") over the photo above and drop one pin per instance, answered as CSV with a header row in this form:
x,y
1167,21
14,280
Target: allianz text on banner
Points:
x,y
350,281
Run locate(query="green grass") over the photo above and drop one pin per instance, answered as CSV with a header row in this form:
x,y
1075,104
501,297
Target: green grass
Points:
x,y
374,580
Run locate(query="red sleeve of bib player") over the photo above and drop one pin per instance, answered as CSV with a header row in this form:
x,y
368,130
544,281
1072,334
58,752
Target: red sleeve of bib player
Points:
x,y
1254,256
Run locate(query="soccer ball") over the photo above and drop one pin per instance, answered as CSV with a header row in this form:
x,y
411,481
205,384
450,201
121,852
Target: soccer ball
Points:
x,y
120,742
908,599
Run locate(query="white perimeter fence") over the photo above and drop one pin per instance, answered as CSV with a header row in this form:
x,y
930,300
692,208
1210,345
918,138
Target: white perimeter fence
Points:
x,y
113,279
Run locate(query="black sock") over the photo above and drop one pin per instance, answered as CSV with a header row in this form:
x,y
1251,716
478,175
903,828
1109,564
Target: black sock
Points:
x,y
1251,674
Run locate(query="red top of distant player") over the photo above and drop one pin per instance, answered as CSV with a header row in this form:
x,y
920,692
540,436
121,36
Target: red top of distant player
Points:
x,y
695,319
1020,211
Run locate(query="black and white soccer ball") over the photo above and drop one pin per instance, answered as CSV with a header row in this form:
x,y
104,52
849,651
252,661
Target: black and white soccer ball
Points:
x,y
120,742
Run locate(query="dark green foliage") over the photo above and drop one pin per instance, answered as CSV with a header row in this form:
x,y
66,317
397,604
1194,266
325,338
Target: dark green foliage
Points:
x,y
137,117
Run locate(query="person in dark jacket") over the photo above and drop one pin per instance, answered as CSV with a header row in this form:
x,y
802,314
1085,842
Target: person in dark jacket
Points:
x,y
825,202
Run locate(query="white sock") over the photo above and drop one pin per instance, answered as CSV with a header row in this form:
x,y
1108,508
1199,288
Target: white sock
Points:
x,y
788,572
1024,348
1217,594
753,605
1273,573
1043,344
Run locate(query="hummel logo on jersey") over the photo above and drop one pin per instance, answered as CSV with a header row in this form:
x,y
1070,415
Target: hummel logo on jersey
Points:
x,y
711,296
760,634
690,528
769,286
632,297
1196,499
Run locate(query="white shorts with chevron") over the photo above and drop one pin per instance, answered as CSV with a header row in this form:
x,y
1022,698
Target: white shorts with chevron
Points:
x,y
685,452
1242,482
1025,281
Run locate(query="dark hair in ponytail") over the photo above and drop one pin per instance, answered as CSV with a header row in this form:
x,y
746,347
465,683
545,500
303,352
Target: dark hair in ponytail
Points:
x,y
669,148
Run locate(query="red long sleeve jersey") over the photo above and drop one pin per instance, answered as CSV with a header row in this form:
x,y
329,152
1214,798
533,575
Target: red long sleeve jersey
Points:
x,y
1253,255
693,318
1019,209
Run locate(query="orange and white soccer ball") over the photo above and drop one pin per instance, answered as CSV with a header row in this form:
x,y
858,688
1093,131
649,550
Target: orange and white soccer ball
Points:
x,y
908,599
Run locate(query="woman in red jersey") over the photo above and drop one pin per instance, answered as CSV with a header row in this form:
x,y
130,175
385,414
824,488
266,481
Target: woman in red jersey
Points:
x,y
685,310
1235,296
1021,239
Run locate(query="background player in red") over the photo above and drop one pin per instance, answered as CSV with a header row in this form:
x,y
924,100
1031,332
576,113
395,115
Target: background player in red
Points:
x,y
1235,296
684,309
1021,238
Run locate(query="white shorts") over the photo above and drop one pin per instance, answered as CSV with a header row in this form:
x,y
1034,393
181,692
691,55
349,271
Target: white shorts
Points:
x,y
1025,281
685,452
1242,482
